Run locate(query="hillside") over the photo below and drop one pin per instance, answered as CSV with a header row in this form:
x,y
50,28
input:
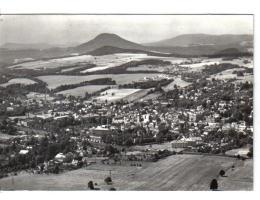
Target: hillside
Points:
x,y
204,39
106,50
106,43
34,46
229,51
175,173
107,39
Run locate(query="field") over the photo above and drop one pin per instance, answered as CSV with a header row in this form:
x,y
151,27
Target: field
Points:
x,y
18,60
152,68
54,81
245,62
228,74
161,146
4,137
200,63
137,95
177,172
152,96
177,81
53,63
240,151
81,91
101,62
116,94
113,60
23,81
240,178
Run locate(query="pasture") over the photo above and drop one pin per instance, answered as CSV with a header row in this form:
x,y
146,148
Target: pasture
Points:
x,y
54,81
152,68
101,62
81,91
23,81
177,172
178,82
53,63
111,95
228,74
239,151
113,60
202,63
245,62
152,96
4,136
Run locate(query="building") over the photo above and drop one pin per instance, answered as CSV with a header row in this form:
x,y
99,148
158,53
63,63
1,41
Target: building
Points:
x,y
95,139
179,144
186,142
101,130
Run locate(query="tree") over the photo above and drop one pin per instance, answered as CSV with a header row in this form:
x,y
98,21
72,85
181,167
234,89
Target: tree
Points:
x,y
52,150
250,153
222,173
129,142
69,157
56,169
108,180
91,185
110,150
80,164
214,184
240,73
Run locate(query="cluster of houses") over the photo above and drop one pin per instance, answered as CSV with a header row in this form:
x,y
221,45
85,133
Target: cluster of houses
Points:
x,y
200,127
107,118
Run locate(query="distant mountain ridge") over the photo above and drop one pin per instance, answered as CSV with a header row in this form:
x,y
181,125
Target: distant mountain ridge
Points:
x,y
188,44
186,40
108,43
28,46
21,46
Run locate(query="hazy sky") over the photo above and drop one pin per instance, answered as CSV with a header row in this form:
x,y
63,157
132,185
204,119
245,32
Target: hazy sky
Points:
x,y
69,29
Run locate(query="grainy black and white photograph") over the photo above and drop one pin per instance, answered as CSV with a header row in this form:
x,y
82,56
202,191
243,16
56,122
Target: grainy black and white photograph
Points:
x,y
126,102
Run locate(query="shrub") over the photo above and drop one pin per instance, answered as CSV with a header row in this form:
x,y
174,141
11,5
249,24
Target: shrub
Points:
x,y
214,184
108,180
91,185
222,172
250,153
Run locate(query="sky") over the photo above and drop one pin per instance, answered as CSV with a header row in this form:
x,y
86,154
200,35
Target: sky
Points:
x,y
76,29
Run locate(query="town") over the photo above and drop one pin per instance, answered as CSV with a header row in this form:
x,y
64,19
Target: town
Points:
x,y
48,133
106,113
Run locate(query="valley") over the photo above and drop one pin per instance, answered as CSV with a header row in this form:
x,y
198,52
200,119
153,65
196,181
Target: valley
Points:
x,y
167,115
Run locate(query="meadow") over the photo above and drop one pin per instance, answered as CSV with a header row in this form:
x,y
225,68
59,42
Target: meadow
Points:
x,y
229,74
178,82
23,81
52,63
174,173
115,94
54,81
81,91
